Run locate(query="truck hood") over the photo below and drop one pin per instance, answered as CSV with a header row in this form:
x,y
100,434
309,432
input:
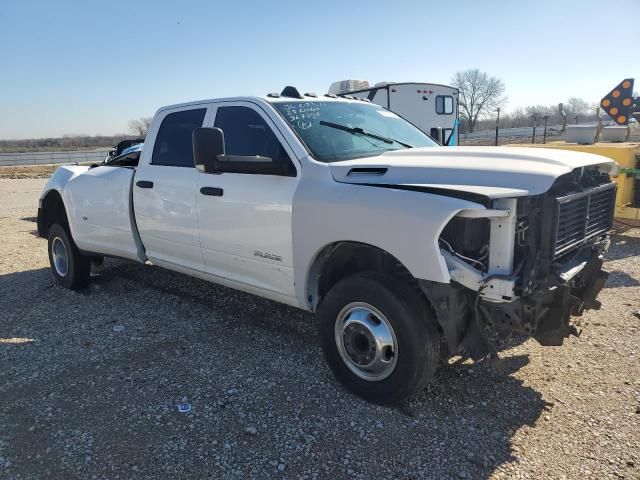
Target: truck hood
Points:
x,y
492,172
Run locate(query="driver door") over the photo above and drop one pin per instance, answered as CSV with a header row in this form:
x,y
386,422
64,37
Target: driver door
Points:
x,y
245,218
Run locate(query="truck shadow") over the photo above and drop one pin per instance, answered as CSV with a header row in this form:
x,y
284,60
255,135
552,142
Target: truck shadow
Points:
x,y
618,279
203,341
623,246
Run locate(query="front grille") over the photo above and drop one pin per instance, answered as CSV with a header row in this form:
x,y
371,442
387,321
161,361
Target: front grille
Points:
x,y
582,216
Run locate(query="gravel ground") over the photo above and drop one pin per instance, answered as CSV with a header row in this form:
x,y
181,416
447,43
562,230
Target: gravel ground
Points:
x,y
90,383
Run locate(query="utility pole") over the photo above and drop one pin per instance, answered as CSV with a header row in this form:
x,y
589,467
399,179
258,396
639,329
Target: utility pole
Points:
x,y
535,121
544,137
564,117
497,124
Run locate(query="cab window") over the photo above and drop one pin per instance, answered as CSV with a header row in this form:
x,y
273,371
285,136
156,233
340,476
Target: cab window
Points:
x,y
173,146
247,134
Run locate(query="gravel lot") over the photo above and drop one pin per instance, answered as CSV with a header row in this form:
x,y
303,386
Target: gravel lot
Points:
x,y
90,383
29,171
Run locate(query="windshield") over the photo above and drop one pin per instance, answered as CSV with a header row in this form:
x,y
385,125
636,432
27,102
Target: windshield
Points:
x,y
335,131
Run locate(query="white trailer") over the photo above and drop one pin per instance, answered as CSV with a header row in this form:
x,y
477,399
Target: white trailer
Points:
x,y
430,106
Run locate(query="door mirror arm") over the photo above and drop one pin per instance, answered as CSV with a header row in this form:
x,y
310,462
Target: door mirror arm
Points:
x,y
209,157
257,165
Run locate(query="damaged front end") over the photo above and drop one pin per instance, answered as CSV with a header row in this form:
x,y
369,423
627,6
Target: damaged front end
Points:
x,y
525,265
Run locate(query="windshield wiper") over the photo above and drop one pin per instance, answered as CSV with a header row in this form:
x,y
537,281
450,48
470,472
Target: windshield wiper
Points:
x,y
360,131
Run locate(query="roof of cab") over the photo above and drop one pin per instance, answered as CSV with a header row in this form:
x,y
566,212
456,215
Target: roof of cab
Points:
x,y
269,98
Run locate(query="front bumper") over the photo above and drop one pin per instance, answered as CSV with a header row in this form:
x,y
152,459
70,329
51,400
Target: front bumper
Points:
x,y
568,288
545,313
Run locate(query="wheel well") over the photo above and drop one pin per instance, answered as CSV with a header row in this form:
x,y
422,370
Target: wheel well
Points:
x,y
341,259
51,211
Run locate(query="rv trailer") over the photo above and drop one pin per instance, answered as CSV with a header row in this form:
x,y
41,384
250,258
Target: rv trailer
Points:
x,y
430,106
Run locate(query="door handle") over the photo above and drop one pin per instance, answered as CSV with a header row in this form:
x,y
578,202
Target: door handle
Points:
x,y
144,184
212,191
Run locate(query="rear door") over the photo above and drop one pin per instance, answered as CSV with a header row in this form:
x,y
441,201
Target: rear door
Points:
x,y
245,230
164,197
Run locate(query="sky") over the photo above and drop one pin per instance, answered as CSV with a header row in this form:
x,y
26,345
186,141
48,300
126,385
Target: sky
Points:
x,y
88,67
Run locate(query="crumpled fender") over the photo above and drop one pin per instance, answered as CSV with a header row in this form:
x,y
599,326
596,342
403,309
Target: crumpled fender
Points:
x,y
404,223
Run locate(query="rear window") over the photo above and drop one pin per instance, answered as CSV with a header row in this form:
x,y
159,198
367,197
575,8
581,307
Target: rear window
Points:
x,y
174,147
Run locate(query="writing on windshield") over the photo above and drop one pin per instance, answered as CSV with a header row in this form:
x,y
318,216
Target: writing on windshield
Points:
x,y
363,129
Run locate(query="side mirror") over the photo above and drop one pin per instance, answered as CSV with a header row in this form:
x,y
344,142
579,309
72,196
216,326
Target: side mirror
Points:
x,y
208,143
209,156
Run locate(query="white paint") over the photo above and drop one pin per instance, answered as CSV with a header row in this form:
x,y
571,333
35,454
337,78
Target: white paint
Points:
x,y
491,171
405,224
502,237
252,216
167,215
386,113
98,208
494,290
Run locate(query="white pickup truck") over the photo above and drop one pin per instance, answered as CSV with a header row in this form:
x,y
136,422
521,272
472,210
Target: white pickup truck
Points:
x,y
343,208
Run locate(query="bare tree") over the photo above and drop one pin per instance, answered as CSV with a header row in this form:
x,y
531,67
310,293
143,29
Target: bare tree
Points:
x,y
539,111
575,107
480,95
522,116
140,127
517,118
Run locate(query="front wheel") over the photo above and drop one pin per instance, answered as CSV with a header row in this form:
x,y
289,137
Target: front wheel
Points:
x,y
378,337
70,268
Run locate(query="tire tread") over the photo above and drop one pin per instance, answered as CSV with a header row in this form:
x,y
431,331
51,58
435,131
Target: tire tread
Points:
x,y
400,296
79,265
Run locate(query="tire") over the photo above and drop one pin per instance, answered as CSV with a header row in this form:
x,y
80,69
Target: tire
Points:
x,y
388,306
70,268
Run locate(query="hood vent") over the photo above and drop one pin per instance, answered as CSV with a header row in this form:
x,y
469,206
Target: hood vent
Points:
x,y
379,171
